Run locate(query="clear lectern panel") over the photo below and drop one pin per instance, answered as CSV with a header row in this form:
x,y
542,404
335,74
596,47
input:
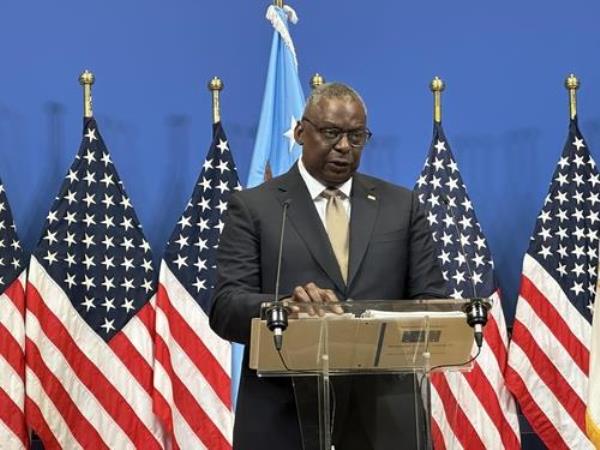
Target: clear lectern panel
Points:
x,y
360,368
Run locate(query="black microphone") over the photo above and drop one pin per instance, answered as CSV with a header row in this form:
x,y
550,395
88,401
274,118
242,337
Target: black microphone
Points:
x,y
477,312
477,308
277,318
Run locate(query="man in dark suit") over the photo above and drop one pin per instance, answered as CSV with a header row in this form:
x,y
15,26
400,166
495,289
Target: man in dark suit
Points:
x,y
383,250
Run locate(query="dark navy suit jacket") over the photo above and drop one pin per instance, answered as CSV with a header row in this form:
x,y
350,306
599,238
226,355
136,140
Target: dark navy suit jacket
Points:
x,y
391,257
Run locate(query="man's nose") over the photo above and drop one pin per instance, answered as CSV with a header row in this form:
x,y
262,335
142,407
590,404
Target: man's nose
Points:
x,y
343,145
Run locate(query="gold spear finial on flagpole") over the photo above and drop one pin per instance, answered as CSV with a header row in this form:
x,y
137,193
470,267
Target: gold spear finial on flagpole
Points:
x,y
86,79
437,86
216,86
316,80
572,84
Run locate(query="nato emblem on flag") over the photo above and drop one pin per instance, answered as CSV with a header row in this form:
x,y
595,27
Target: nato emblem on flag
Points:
x,y
193,385
275,149
474,409
13,428
89,315
549,353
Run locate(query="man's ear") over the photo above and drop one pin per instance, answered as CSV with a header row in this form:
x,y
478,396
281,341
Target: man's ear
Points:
x,y
298,132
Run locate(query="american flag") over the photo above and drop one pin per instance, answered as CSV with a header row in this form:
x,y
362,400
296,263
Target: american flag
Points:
x,y
470,410
549,351
89,316
193,375
13,429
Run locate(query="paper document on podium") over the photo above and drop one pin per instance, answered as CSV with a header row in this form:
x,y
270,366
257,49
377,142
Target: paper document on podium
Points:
x,y
376,314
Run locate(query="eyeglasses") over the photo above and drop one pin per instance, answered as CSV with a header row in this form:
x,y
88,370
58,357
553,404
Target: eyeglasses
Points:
x,y
356,138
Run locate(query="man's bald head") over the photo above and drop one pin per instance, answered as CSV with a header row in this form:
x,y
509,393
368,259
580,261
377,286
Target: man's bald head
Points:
x,y
332,90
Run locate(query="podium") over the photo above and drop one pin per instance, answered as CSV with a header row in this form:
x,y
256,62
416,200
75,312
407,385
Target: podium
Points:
x,y
360,369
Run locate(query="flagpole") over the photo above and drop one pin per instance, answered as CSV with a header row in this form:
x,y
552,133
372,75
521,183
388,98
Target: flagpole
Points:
x,y
86,79
572,84
316,80
216,86
437,86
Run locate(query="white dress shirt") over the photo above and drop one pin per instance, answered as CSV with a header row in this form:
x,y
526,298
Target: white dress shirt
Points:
x,y
316,188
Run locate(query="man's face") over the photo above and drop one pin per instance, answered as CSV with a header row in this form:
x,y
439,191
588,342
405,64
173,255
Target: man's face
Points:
x,y
331,162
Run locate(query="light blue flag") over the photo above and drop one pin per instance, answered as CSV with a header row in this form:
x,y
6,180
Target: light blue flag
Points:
x,y
275,149
282,106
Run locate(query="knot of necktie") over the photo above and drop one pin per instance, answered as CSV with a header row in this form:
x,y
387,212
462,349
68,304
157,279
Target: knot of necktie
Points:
x,y
331,193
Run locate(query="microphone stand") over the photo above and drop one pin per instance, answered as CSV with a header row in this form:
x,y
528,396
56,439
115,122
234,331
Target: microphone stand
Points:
x,y
276,314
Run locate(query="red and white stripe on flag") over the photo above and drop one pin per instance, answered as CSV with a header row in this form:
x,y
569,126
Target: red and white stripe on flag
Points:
x,y
549,360
13,429
82,391
192,375
475,410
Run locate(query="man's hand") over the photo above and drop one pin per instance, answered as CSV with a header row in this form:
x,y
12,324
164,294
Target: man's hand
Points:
x,y
311,293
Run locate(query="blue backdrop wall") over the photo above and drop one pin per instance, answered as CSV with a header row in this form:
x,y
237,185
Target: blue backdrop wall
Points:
x,y
505,107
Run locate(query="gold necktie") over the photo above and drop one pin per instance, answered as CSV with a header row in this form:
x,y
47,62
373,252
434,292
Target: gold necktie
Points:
x,y
336,222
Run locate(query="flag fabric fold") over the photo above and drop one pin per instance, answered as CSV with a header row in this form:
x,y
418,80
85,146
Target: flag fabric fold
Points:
x,y
550,348
90,314
192,378
13,428
474,409
274,148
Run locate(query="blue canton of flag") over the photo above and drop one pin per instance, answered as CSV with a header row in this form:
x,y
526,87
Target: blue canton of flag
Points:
x,y
191,251
453,223
12,258
565,239
93,246
275,149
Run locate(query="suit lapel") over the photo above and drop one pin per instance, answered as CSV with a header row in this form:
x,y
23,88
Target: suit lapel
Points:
x,y
363,215
303,215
